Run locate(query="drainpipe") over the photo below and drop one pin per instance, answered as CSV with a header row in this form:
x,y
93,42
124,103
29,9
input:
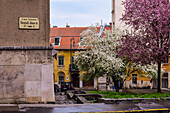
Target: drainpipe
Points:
x,y
72,39
102,29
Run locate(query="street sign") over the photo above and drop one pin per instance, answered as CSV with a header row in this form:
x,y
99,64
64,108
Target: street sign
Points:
x,y
28,23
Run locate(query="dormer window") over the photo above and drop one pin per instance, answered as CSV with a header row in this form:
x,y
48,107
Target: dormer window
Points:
x,y
81,38
57,41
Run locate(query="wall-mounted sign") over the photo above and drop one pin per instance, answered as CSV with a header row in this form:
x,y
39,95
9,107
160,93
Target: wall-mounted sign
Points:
x,y
28,23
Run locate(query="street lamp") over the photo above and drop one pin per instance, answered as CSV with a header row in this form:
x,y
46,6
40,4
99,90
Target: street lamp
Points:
x,y
71,59
72,39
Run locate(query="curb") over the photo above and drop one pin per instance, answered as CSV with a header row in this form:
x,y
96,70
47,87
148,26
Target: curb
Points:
x,y
110,101
162,110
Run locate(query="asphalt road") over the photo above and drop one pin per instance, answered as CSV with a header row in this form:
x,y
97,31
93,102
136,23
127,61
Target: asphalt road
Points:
x,y
100,107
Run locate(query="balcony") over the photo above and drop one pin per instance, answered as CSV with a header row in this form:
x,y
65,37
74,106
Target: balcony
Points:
x,y
73,68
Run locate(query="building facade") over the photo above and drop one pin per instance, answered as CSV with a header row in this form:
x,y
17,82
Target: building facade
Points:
x,y
66,41
117,11
165,78
26,67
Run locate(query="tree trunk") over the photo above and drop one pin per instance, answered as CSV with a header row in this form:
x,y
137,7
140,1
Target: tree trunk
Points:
x,y
97,84
116,84
159,78
124,85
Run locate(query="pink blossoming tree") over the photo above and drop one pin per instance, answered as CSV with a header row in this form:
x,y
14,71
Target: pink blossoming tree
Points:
x,y
147,39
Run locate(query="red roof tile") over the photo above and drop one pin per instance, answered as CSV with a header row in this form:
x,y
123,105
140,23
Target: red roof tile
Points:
x,y
66,35
68,31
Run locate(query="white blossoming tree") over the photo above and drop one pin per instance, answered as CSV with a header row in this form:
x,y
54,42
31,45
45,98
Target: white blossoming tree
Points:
x,y
100,57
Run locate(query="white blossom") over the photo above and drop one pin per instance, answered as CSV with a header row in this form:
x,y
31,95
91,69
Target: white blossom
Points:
x,y
100,57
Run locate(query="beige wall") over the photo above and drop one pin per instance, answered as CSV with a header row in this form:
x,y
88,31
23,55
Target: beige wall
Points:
x,y
26,76
11,10
117,11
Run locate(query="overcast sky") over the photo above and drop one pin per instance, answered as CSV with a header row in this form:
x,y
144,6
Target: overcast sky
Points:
x,y
79,13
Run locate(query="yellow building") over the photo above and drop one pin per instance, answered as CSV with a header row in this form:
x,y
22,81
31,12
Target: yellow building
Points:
x,y
135,80
65,42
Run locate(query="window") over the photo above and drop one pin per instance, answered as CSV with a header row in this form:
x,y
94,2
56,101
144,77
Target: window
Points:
x,y
134,78
165,80
72,60
57,41
61,60
81,38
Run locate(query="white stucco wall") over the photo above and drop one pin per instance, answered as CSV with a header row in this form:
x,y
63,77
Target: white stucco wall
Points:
x,y
118,11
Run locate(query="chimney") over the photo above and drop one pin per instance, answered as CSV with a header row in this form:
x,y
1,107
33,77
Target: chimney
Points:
x,y
67,25
55,26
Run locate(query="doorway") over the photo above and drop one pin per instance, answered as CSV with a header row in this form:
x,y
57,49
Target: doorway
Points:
x,y
61,77
75,80
88,84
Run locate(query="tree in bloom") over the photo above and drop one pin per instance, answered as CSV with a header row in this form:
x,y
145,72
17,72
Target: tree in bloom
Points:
x,y
100,57
147,39
146,71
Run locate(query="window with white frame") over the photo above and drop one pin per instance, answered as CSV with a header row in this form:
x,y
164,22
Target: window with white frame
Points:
x,y
80,39
57,41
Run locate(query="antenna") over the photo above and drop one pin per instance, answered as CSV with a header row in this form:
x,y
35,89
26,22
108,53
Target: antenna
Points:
x,y
101,22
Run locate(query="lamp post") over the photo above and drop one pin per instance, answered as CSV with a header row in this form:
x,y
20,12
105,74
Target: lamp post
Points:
x,y
72,39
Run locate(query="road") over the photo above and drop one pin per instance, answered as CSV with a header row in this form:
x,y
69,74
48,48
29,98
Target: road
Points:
x,y
99,107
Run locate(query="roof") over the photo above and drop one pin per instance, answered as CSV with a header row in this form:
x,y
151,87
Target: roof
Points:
x,y
67,31
67,35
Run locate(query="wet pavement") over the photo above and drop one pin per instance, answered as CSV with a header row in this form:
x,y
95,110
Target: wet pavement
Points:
x,y
100,107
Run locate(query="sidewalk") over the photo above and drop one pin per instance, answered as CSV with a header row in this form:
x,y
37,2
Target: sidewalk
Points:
x,y
99,107
165,89
43,105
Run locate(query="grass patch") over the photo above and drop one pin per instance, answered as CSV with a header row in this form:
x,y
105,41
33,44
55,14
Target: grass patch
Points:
x,y
118,95
94,101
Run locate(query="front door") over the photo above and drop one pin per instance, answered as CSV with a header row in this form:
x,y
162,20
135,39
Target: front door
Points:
x,y
75,80
61,79
89,83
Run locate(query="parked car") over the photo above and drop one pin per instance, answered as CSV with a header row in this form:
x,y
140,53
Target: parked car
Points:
x,y
66,86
